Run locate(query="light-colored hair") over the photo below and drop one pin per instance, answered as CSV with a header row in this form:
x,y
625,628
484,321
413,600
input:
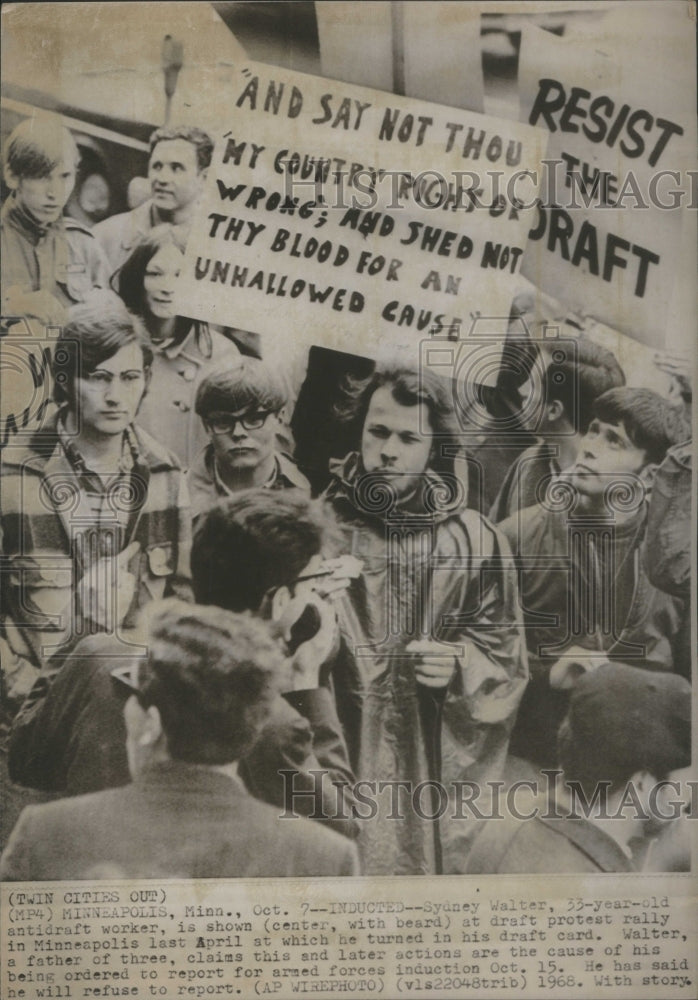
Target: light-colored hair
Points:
x,y
251,383
36,146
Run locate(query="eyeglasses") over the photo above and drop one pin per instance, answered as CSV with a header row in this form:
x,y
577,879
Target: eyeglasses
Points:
x,y
227,422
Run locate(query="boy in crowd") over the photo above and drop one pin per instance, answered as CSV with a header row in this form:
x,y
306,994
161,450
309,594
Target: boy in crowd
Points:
x,y
49,261
557,402
95,513
239,407
195,706
585,594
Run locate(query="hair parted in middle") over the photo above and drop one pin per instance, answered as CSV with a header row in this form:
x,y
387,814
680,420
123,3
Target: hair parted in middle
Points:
x,y
129,280
95,330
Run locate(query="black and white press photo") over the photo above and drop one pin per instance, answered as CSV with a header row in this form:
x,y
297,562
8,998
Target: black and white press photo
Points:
x,y
347,498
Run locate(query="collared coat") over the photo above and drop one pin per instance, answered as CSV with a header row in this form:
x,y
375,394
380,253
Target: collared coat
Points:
x,y
73,740
120,234
445,574
167,411
559,844
64,258
64,261
560,571
38,503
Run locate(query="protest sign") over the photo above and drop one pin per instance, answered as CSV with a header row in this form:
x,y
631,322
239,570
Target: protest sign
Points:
x,y
607,238
356,217
586,910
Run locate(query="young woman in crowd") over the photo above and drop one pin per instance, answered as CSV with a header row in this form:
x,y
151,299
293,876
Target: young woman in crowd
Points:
x,y
185,350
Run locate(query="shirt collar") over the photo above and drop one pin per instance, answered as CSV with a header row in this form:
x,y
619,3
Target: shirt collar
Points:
x,y
169,347
198,336
130,454
186,777
23,221
224,490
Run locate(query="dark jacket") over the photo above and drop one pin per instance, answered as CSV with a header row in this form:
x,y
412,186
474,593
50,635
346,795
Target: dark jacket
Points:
x,y
64,258
554,582
176,820
526,480
560,569
667,547
73,741
454,584
544,844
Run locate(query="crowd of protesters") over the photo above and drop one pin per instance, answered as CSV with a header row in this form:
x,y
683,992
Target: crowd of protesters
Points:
x,y
223,660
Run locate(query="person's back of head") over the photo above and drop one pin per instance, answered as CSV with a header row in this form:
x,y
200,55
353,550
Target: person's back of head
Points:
x,y
254,542
623,720
212,676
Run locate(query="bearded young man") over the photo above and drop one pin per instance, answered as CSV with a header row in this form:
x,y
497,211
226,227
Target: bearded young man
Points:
x,y
433,663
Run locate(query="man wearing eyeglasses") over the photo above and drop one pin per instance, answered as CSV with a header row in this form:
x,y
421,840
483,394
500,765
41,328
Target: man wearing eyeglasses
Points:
x,y
241,410
74,742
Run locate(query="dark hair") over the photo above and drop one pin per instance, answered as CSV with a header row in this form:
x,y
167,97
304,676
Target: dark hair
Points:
x,y
584,768
36,146
250,383
196,136
95,331
129,279
409,387
622,719
651,422
576,379
255,541
212,676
